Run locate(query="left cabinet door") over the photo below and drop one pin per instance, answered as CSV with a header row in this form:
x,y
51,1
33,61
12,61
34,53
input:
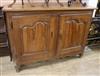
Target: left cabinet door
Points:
x,y
33,38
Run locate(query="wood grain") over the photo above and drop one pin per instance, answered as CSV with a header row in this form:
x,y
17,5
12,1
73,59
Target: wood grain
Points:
x,y
47,34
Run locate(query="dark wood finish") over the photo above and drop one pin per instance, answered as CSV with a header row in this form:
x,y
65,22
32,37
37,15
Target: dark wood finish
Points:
x,y
39,35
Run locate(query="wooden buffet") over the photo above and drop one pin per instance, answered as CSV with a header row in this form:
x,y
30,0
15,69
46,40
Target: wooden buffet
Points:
x,y
44,33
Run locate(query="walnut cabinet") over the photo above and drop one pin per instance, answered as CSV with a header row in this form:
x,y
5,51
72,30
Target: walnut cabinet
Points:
x,y
44,35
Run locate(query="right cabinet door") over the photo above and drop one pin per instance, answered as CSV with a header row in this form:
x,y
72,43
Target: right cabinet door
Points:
x,y
73,31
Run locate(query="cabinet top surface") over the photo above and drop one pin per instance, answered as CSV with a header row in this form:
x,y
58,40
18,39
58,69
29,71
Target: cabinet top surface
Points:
x,y
43,7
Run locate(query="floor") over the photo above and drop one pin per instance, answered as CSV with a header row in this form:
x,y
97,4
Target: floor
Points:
x,y
88,65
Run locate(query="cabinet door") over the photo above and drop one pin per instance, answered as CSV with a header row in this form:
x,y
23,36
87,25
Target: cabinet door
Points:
x,y
73,33
33,37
